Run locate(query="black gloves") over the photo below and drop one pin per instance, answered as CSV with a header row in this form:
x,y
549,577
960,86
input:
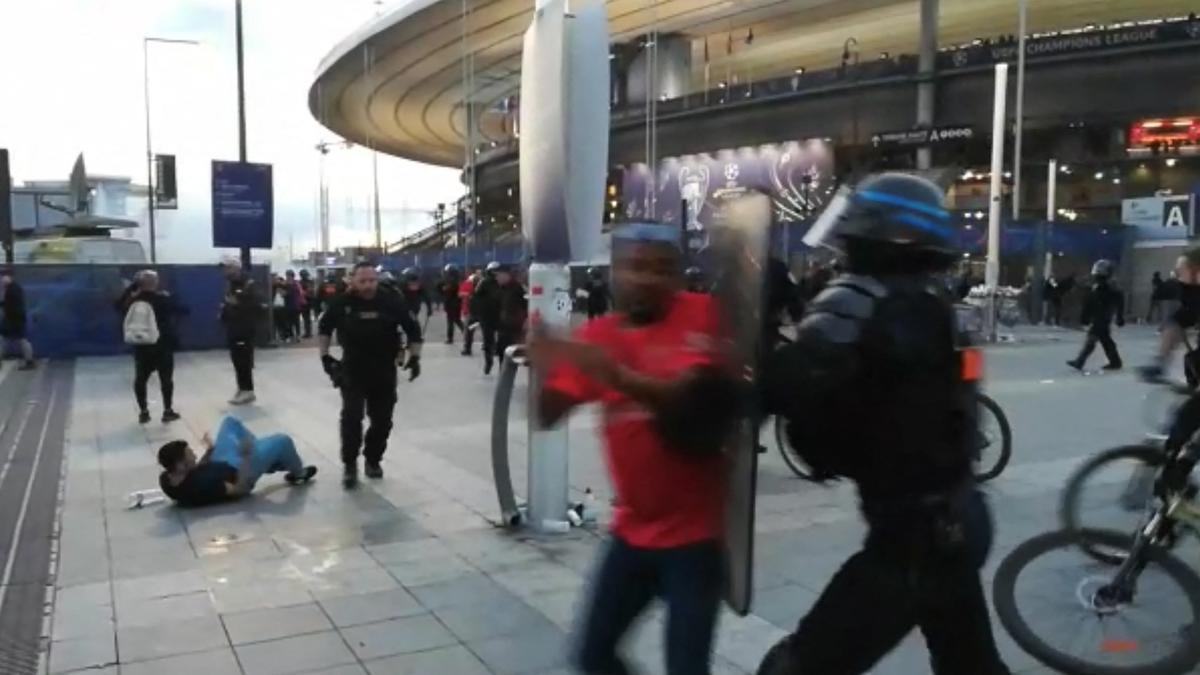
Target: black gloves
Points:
x,y
413,366
333,368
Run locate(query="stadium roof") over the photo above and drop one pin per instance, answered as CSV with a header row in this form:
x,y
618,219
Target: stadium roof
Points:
x,y
396,84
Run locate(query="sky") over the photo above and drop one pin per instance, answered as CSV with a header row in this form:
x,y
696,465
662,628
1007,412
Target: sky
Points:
x,y
73,82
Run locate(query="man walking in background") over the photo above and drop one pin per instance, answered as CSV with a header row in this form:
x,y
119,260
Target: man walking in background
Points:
x,y
239,313
452,304
14,320
466,295
308,291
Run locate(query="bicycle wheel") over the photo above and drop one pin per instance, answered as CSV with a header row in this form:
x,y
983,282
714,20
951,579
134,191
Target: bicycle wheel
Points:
x,y
790,457
1053,601
995,442
1111,492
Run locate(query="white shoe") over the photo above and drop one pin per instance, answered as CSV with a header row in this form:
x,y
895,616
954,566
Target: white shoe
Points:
x,y
242,398
249,397
236,399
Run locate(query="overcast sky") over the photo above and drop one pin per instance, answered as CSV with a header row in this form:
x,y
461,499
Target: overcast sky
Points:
x,y
72,82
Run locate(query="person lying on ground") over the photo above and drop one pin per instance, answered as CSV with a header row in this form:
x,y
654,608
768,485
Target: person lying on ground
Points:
x,y
230,465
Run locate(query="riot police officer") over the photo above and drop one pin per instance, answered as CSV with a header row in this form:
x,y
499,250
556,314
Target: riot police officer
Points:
x,y
369,324
485,308
1104,305
694,280
874,390
414,293
598,296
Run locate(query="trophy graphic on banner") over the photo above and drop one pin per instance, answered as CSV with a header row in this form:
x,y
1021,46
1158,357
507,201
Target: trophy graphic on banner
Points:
x,y
693,188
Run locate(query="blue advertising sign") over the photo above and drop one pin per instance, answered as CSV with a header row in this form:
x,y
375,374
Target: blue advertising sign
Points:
x,y
243,213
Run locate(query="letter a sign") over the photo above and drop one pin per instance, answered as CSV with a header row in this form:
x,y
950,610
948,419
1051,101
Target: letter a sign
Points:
x,y
1177,213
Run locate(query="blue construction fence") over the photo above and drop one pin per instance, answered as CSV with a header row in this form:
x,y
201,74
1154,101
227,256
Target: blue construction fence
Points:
x,y
71,307
464,257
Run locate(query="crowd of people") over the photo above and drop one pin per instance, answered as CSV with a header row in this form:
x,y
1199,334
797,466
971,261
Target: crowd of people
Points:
x,y
874,330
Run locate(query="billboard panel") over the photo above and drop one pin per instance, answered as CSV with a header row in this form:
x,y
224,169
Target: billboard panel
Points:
x,y
797,175
243,212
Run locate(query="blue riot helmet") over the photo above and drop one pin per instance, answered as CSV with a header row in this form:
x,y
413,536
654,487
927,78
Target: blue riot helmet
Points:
x,y
894,212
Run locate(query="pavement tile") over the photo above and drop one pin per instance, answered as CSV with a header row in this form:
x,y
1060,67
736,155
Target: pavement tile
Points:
x,y
352,610
397,636
456,660
466,590
339,582
430,570
81,653
261,625
154,611
525,652
215,662
295,654
170,638
484,620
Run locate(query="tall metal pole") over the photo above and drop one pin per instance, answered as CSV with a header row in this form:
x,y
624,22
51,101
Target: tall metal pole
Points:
x,y
149,151
1051,200
1016,188
992,277
241,101
375,192
926,66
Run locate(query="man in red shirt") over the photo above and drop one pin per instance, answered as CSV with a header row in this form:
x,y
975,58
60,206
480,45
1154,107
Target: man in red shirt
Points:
x,y
668,405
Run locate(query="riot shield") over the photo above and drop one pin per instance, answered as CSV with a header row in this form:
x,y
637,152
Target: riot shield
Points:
x,y
738,250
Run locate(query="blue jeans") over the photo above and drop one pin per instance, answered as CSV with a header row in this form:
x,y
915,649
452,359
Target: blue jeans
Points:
x,y
276,452
688,578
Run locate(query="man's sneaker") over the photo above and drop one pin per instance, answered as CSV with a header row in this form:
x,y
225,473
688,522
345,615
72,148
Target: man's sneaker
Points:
x,y
169,416
465,352
349,476
303,477
28,365
144,417
1111,366
373,470
243,397
1075,364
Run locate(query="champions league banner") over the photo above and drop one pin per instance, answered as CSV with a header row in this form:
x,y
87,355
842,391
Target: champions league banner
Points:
x,y
797,175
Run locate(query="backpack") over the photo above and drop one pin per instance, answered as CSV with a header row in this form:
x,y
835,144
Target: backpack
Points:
x,y
141,325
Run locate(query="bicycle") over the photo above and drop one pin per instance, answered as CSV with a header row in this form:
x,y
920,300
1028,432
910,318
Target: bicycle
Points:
x,y
1123,489
993,450
1121,581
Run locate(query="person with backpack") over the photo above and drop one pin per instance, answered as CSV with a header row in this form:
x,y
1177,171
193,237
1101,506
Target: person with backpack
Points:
x,y
875,389
148,321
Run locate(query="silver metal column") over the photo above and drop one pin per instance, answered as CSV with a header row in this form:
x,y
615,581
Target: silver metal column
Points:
x,y
927,66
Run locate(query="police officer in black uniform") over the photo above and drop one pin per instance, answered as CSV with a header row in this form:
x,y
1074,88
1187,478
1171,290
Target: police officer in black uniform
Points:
x,y
485,308
510,323
694,280
414,293
370,323
1104,305
874,391
599,298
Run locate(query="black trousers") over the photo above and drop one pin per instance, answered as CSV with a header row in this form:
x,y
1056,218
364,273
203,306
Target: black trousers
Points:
x,y
148,359
307,315
453,318
374,396
242,355
896,583
687,578
489,343
505,337
1104,337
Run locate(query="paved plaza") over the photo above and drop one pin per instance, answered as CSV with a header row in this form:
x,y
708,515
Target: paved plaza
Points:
x,y
411,574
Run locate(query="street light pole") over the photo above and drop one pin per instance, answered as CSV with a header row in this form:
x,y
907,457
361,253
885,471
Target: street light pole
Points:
x,y
1019,131
241,102
149,146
